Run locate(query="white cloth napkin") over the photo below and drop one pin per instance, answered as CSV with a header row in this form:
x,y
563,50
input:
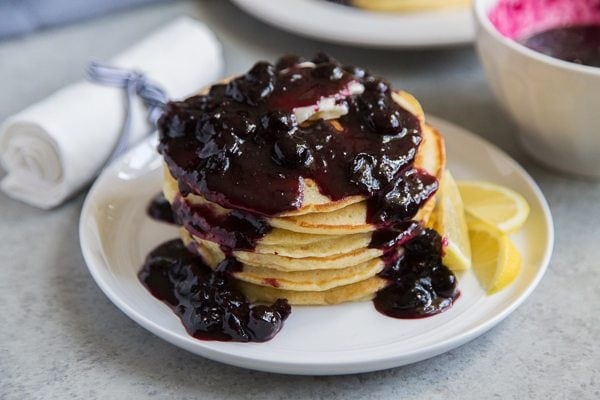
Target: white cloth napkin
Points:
x,y
55,147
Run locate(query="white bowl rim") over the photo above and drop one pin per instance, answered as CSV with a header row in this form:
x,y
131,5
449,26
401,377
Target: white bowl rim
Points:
x,y
481,16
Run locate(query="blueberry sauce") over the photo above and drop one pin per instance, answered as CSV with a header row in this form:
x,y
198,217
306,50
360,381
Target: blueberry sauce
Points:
x,y
241,147
394,235
576,44
421,285
243,136
235,230
208,303
160,209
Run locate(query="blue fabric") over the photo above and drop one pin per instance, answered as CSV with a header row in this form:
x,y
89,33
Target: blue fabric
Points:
x,y
18,17
135,84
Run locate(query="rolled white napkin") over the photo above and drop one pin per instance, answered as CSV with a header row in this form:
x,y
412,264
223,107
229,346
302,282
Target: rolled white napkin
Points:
x,y
55,147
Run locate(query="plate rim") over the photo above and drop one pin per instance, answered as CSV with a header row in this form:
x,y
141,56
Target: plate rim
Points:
x,y
255,9
331,367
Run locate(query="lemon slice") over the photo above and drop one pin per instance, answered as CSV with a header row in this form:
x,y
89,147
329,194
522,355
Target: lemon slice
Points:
x,y
449,220
496,260
497,205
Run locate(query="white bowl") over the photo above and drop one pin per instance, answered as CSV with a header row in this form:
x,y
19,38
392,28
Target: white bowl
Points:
x,y
555,103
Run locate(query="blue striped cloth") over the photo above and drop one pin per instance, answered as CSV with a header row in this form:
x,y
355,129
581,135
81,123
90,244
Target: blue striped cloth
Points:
x,y
19,17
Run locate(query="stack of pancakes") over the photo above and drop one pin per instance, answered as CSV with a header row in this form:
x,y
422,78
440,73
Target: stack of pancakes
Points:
x,y
319,253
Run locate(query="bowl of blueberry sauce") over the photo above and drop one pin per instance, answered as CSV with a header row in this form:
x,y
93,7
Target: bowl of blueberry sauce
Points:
x,y
542,60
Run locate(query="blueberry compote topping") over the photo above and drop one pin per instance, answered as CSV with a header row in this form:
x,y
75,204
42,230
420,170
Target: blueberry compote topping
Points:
x,y
239,230
421,285
208,303
160,209
241,146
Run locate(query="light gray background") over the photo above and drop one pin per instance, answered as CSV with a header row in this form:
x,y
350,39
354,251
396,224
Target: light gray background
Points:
x,y
61,338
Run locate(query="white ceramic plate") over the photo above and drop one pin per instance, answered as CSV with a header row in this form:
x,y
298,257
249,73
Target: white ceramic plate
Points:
x,y
116,235
327,21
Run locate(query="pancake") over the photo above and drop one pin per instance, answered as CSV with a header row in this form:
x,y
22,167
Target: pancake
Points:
x,y
318,253
407,5
321,247
311,280
316,280
350,219
359,291
281,263
300,182
281,237
315,287
313,200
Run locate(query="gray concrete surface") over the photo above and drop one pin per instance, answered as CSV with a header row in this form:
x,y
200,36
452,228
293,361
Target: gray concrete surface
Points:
x,y
60,337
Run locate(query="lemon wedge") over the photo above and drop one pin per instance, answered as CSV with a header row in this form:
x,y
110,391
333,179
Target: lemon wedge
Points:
x,y
497,205
448,219
496,260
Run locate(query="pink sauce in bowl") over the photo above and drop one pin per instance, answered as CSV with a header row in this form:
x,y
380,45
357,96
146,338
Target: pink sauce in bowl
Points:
x,y
565,29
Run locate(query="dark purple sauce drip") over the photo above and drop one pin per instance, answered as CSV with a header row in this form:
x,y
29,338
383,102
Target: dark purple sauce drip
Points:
x,y
241,147
421,285
160,209
394,235
576,44
235,230
402,199
208,303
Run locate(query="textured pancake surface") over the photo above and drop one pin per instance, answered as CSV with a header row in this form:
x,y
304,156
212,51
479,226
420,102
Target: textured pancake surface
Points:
x,y
282,263
296,280
359,291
